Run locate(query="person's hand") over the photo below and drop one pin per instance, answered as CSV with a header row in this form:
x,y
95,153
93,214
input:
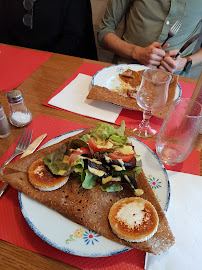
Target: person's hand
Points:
x,y
171,64
151,55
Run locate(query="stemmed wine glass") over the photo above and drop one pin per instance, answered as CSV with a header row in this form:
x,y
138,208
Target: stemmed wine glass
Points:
x,y
152,95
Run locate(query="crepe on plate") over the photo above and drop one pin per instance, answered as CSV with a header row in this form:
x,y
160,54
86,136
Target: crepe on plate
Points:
x,y
89,208
104,94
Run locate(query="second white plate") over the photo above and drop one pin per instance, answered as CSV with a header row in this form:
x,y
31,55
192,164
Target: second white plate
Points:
x,y
109,77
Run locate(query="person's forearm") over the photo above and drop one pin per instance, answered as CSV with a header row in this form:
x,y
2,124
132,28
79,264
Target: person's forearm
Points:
x,y
148,56
118,46
196,60
196,57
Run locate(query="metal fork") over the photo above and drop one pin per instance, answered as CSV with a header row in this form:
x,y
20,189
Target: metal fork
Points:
x,y
173,30
22,145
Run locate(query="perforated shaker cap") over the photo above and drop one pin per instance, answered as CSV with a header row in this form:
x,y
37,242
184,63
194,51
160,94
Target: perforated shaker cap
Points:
x,y
14,96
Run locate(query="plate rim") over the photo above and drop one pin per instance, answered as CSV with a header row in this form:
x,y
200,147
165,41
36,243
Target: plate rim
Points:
x,y
73,252
53,244
127,64
164,171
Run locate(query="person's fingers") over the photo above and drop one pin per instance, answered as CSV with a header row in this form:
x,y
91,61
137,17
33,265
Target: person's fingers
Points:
x,y
156,44
154,63
161,67
166,66
171,53
157,53
165,46
172,62
155,59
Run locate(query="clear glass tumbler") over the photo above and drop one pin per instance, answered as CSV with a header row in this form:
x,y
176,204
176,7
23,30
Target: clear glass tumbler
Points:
x,y
179,131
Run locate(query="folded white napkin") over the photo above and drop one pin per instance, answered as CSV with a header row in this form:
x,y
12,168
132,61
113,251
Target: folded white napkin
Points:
x,y
73,98
185,219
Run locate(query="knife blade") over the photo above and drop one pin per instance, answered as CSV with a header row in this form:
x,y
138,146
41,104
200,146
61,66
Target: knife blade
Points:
x,y
32,147
187,44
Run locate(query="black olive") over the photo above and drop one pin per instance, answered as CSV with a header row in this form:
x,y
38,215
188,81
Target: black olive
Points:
x,y
117,162
131,180
96,167
111,182
131,164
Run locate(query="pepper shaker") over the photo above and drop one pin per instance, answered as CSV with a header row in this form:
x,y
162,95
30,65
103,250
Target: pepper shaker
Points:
x,y
4,125
19,115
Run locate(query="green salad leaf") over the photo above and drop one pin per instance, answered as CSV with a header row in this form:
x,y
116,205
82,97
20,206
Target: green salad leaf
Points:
x,y
54,162
105,131
89,180
112,187
85,137
137,170
78,165
130,172
77,143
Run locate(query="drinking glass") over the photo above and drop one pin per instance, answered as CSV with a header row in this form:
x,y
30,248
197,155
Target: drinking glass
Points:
x,y
152,95
179,131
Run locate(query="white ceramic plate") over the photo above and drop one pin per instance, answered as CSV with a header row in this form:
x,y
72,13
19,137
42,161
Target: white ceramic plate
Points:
x,y
109,77
72,238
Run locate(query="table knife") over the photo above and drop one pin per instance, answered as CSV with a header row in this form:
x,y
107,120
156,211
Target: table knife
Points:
x,y
187,44
30,149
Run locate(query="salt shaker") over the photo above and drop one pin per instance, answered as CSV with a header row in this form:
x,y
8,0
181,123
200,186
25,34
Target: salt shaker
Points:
x,y
4,125
19,115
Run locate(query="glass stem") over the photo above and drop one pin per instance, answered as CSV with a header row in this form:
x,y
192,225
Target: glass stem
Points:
x,y
146,117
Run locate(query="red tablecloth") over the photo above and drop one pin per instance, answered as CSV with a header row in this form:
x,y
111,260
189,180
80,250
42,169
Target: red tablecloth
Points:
x,y
16,65
14,228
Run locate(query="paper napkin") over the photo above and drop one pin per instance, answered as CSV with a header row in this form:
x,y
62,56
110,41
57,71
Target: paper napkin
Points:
x,y
73,98
185,219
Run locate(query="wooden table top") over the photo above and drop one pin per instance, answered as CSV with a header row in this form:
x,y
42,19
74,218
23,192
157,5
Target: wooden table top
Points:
x,y
36,90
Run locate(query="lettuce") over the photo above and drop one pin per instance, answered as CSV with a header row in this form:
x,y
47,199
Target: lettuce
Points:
x,y
54,162
112,187
105,131
77,143
89,180
78,165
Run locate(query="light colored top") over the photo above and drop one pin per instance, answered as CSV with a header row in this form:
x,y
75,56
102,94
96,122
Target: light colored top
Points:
x,y
147,21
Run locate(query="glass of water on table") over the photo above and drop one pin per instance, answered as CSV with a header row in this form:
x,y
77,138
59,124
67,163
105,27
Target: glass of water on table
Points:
x,y
179,131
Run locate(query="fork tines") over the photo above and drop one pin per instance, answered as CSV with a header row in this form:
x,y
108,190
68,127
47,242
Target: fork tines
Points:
x,y
176,26
173,30
25,138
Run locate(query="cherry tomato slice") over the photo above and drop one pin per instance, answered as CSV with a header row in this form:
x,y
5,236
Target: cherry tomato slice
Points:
x,y
119,155
98,147
77,152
